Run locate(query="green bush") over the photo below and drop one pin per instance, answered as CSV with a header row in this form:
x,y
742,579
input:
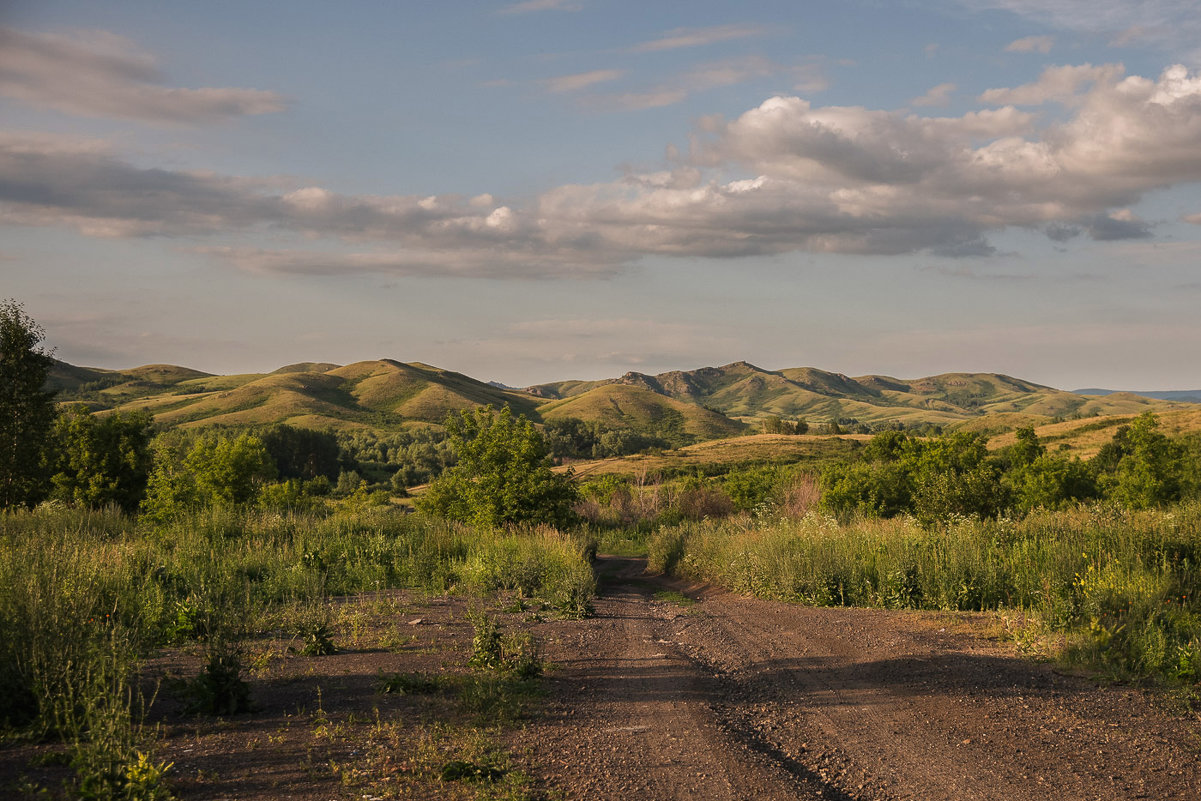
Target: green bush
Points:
x,y
503,475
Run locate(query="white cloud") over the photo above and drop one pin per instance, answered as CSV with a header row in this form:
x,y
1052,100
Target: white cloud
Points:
x,y
784,176
99,74
1060,84
582,80
937,96
1195,219
698,37
1031,44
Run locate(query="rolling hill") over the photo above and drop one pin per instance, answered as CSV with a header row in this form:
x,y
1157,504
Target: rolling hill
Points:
x,y
680,406
382,394
742,390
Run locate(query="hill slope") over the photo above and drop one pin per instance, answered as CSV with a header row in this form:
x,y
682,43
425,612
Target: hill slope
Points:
x,y
680,406
378,394
641,409
745,391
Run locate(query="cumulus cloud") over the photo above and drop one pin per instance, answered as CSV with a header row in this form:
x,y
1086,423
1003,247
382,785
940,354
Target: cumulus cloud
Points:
x,y
1060,84
1031,44
99,74
698,37
785,176
937,96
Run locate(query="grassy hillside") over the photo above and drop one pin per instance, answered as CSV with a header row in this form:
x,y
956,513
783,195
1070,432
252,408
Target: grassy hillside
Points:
x,y
680,406
1085,437
641,409
378,394
745,391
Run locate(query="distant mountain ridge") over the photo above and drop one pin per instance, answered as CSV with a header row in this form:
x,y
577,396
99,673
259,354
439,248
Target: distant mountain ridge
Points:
x,y
1177,395
690,405
743,390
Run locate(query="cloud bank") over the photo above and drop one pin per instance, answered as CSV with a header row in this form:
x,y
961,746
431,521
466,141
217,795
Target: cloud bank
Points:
x,y
784,176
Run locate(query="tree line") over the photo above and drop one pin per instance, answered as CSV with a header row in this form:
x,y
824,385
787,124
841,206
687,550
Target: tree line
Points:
x,y
955,474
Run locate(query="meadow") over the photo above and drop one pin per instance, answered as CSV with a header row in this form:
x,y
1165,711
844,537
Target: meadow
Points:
x,y
90,596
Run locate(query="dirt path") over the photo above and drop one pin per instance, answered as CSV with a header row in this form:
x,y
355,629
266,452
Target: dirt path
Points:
x,y
737,698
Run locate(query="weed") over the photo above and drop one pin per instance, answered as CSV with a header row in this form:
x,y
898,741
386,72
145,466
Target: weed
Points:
x,y
675,597
317,639
486,643
219,689
458,770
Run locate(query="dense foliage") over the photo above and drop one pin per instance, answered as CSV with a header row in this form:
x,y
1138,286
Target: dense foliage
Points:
x,y
503,475
100,460
399,460
934,479
26,409
579,439
193,472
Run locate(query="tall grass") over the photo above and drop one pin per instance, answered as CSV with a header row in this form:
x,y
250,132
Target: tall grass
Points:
x,y
85,595
1122,587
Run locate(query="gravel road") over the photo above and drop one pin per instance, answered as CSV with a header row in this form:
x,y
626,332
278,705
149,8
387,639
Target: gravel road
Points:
x,y
739,698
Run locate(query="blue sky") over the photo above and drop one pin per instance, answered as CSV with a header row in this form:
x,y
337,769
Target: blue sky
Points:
x,y
534,191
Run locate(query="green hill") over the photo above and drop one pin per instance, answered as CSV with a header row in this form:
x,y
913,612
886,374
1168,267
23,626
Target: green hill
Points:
x,y
381,394
680,406
644,411
751,393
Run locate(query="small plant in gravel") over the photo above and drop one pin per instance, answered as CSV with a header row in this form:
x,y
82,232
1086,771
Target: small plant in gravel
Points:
x,y
219,689
317,639
458,770
507,667
486,643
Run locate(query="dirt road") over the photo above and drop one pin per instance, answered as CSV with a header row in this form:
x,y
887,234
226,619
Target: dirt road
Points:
x,y
737,698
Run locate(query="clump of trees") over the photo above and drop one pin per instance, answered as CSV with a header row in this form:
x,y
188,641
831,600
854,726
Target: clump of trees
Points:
x,y
211,469
97,461
934,479
398,460
570,438
778,425
503,474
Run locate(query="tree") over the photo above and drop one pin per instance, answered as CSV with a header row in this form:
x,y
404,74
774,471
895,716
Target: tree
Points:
x,y
1141,467
503,475
302,452
101,460
210,470
26,408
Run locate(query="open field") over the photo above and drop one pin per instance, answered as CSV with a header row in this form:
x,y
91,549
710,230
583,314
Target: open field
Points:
x,y
723,454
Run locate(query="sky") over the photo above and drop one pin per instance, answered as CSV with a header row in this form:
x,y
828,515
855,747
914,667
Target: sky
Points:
x,y
540,190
